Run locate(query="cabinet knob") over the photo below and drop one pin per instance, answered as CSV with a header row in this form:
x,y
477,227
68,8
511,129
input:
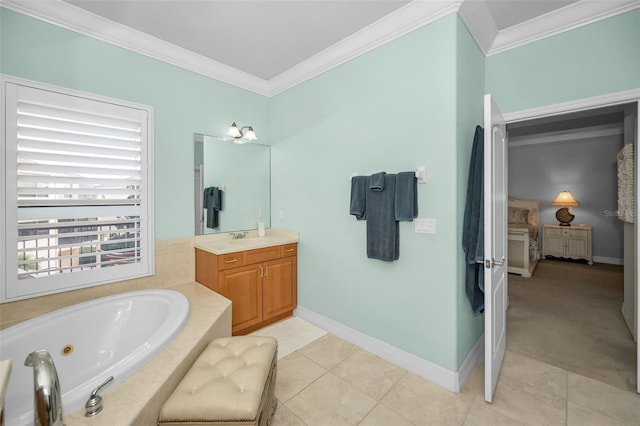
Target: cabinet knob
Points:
x,y
289,250
234,260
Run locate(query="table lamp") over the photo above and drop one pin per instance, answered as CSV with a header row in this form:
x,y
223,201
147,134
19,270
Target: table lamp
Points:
x,y
565,214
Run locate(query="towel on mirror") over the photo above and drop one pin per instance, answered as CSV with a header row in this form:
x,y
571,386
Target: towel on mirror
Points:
x,y
377,182
383,232
406,200
213,204
359,186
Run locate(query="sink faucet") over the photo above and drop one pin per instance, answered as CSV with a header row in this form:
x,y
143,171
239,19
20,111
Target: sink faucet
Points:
x,y
47,407
238,235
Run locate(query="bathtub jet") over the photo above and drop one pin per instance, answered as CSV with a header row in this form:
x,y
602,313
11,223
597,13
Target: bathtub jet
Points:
x,y
111,336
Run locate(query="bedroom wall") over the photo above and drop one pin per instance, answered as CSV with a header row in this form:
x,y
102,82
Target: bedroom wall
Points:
x,y
585,167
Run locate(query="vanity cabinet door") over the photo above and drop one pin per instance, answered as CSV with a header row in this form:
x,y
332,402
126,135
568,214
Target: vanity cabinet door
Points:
x,y
243,287
279,293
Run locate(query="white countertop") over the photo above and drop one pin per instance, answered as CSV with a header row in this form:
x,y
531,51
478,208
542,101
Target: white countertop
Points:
x,y
224,243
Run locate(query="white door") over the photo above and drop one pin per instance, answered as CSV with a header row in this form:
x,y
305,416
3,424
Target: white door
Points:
x,y
495,244
636,264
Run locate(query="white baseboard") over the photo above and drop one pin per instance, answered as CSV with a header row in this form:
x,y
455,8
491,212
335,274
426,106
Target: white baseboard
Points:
x,y
450,380
476,355
609,260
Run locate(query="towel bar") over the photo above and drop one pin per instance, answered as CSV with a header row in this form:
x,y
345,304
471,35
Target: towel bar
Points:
x,y
421,174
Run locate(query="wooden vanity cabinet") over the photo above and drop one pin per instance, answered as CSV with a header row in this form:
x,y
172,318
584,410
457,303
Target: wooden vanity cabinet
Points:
x,y
261,283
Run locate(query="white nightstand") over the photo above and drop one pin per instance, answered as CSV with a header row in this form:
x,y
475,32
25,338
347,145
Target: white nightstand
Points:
x,y
573,242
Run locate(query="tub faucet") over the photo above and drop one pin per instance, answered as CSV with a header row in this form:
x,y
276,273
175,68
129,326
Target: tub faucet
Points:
x,y
47,405
94,405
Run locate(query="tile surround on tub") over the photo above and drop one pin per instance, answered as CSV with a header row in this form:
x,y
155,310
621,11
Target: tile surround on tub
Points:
x,y
174,264
138,399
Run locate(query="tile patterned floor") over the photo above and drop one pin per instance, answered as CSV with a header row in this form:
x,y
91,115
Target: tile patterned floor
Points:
x,y
330,382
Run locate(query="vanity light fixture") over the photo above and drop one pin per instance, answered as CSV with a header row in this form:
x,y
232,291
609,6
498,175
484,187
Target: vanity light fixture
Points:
x,y
236,133
565,214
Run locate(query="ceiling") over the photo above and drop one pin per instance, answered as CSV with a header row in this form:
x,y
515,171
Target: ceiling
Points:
x,y
265,38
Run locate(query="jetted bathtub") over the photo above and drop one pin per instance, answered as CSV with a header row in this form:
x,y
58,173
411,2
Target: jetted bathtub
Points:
x,y
110,336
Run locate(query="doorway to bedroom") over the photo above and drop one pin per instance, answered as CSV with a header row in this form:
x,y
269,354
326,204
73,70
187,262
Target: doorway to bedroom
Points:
x,y
570,314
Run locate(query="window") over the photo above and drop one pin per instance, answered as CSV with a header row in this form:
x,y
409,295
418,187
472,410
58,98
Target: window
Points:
x,y
77,190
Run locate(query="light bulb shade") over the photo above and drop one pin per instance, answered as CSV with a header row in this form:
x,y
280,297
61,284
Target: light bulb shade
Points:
x,y
234,132
250,135
565,199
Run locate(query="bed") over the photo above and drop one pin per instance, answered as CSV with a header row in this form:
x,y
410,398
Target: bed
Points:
x,y
522,223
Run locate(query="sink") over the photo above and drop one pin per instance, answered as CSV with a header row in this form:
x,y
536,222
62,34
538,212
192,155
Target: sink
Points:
x,y
251,240
223,244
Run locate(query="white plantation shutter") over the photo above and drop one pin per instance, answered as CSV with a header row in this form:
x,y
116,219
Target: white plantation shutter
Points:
x,y
78,190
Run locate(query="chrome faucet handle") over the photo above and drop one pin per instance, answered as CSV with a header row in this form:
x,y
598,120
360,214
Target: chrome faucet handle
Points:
x,y
94,403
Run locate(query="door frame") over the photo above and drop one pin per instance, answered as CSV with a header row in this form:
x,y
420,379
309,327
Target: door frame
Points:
x,y
596,102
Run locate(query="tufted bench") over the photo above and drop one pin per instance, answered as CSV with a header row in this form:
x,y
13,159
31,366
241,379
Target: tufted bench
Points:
x,y
231,383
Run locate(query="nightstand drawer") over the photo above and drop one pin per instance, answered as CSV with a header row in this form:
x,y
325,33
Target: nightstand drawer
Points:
x,y
572,242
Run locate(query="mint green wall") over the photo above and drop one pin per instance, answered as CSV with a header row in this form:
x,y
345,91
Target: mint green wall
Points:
x,y
392,109
470,65
412,102
593,60
184,102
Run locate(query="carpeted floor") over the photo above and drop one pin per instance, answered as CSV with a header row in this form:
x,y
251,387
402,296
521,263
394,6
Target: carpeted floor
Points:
x,y
569,315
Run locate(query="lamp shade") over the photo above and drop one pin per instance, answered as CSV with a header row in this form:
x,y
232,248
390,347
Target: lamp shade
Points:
x,y
250,135
565,199
233,131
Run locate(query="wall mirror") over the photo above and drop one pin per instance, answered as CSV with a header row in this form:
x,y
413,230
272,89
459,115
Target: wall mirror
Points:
x,y
240,175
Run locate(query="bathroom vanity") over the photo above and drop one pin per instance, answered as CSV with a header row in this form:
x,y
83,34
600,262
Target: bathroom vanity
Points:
x,y
258,275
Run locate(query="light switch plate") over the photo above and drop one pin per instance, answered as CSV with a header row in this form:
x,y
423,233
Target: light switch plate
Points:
x,y
425,225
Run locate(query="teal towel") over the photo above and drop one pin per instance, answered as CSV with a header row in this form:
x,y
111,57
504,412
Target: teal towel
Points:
x,y
383,232
473,225
213,204
359,186
406,202
377,182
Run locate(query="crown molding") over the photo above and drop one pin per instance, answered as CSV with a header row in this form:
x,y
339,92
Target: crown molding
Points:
x,y
572,16
402,21
73,18
479,21
474,13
